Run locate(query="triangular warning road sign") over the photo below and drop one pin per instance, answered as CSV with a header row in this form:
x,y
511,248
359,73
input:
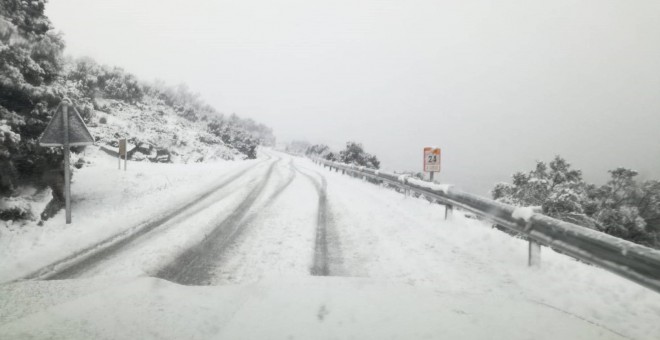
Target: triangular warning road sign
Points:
x,y
78,132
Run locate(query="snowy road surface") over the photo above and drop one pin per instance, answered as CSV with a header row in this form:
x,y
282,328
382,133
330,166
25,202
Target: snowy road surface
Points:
x,y
280,247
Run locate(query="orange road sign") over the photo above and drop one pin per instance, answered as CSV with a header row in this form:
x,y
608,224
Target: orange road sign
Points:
x,y
432,159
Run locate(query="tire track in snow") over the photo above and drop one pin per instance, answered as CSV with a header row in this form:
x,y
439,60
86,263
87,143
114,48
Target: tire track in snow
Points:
x,y
196,265
327,258
280,190
255,228
87,258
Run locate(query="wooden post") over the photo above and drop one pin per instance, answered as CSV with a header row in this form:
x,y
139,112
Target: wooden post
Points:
x,y
123,150
431,176
65,151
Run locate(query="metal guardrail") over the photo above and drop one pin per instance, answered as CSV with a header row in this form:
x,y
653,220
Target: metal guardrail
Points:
x,y
629,260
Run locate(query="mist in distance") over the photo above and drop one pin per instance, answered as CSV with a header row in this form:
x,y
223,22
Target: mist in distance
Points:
x,y
495,85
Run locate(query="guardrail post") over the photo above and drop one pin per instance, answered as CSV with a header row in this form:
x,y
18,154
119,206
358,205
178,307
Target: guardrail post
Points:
x,y
534,258
449,211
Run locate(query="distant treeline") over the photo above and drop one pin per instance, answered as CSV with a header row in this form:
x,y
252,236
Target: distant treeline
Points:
x,y
353,153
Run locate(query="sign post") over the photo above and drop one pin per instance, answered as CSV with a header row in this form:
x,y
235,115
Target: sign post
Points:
x,y
432,160
67,169
123,151
66,129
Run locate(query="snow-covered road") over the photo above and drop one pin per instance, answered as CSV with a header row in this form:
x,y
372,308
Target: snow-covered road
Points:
x,y
286,220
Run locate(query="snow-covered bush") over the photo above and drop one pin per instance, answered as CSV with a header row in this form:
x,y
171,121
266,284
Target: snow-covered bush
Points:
x,y
555,187
320,150
15,209
123,86
622,207
30,64
355,154
231,134
628,209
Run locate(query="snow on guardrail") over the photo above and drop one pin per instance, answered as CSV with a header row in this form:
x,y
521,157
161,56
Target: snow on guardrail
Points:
x,y
429,185
524,213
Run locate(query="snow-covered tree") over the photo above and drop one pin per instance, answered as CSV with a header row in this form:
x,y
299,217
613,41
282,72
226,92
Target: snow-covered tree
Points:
x,y
321,150
622,207
354,154
30,62
555,187
234,136
628,209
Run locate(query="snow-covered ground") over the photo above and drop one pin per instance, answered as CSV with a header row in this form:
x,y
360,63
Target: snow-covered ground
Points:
x,y
307,308
396,268
105,202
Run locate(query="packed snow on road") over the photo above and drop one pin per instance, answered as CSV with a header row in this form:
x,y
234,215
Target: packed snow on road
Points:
x,y
280,247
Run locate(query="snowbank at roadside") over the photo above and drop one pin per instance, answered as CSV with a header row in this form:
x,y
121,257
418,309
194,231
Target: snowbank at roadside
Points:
x,y
105,201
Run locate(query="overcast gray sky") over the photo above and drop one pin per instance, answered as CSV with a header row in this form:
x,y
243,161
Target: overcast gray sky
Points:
x,y
496,84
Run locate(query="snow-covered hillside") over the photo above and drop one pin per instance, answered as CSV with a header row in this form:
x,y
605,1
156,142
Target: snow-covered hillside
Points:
x,y
156,129
161,123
